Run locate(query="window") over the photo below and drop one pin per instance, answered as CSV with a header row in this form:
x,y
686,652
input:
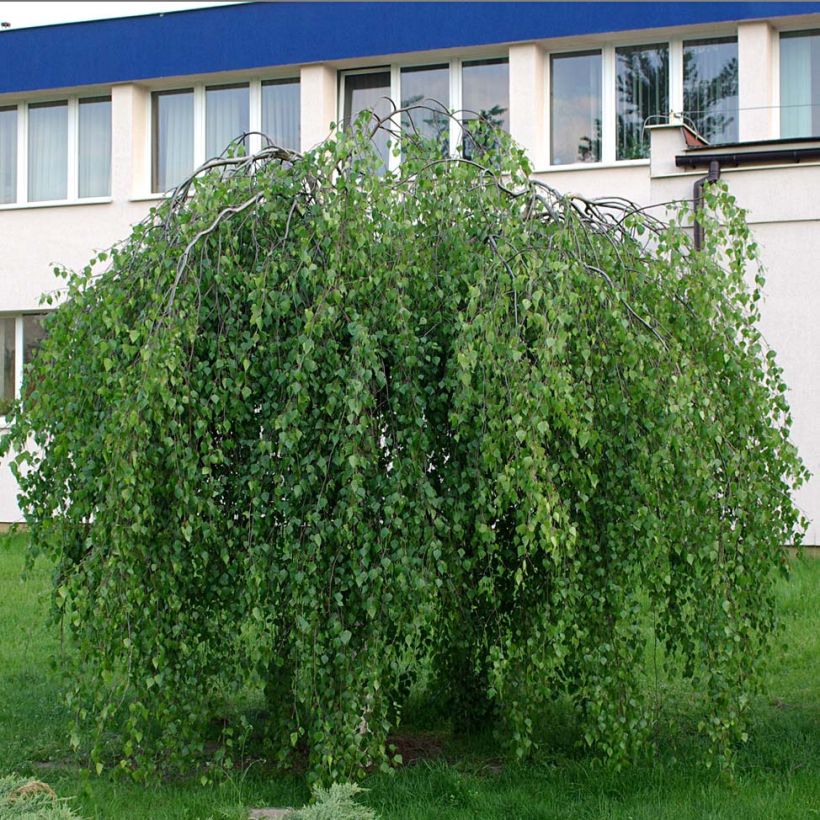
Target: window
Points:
x,y
474,87
485,97
576,107
8,386
20,336
368,91
95,147
226,117
8,154
47,151
641,96
602,100
66,147
190,125
281,113
799,84
710,83
173,137
427,87
33,334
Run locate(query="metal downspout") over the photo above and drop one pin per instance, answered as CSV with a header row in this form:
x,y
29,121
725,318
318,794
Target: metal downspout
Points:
x,y
712,176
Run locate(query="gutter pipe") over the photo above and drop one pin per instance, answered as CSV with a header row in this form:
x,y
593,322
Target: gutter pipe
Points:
x,y
712,176
696,158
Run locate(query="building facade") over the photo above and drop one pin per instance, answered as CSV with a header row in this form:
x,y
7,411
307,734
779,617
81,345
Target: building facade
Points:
x,y
99,119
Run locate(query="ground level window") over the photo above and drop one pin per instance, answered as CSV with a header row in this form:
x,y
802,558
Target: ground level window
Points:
x,y
8,343
20,336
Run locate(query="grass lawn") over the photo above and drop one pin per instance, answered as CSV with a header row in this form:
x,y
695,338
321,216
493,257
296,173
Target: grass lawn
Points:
x,y
778,771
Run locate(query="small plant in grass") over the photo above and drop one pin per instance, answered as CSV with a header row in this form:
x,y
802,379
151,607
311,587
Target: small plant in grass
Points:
x,y
315,427
335,803
22,798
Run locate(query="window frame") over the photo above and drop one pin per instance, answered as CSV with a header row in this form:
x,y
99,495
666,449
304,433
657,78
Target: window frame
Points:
x,y
608,91
695,40
19,349
607,105
777,59
456,105
72,152
670,83
199,88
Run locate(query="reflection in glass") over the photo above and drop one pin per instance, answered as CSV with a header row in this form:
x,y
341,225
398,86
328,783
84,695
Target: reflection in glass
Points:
x,y
8,154
7,372
369,92
800,84
641,95
485,95
33,335
173,138
710,88
95,147
428,87
576,107
226,117
47,151
281,110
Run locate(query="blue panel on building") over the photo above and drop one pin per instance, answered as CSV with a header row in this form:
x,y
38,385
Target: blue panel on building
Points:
x,y
268,34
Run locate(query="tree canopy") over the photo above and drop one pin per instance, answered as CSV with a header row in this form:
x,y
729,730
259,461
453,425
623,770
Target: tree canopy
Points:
x,y
317,430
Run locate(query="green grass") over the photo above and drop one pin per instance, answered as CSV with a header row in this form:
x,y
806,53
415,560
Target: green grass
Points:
x,y
778,774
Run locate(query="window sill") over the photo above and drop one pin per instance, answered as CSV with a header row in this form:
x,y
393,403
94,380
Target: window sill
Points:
x,y
152,197
56,203
595,166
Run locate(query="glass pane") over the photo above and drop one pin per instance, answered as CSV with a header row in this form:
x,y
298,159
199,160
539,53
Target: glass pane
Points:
x,y
173,138
576,108
226,117
368,92
641,96
95,147
7,374
8,155
485,95
428,87
47,151
281,110
710,88
33,335
800,84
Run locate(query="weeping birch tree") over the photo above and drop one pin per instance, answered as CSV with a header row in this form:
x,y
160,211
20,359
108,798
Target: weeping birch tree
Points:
x,y
315,427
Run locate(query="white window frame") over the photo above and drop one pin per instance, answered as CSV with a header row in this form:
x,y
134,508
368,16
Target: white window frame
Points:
x,y
607,105
19,348
776,68
72,154
608,95
254,86
454,65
